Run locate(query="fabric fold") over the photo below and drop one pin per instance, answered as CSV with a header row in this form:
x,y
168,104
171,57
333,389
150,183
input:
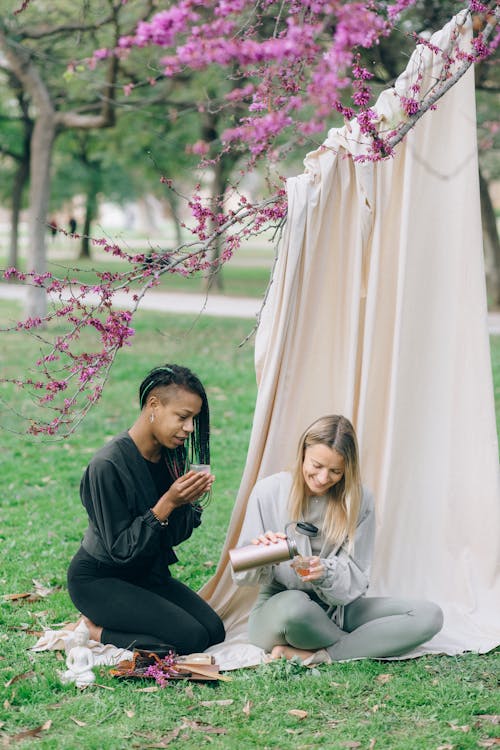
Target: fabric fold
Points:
x,y
378,311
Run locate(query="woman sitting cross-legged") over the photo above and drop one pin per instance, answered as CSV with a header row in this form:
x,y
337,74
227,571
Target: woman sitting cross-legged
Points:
x,y
322,613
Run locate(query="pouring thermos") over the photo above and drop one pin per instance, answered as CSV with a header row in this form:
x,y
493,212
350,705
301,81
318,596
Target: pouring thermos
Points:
x,y
256,555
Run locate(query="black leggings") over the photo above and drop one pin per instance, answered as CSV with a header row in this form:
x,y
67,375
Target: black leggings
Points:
x,y
137,613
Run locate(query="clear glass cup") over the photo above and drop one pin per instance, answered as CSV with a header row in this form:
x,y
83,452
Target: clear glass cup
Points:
x,y
301,566
203,468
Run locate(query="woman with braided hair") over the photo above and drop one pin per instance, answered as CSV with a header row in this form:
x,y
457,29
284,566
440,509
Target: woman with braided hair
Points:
x,y
142,500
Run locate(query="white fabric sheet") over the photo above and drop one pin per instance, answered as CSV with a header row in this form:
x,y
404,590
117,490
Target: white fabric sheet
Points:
x,y
64,640
378,312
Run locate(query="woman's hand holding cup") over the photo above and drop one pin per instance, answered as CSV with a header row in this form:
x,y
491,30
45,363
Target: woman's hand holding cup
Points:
x,y
308,568
190,487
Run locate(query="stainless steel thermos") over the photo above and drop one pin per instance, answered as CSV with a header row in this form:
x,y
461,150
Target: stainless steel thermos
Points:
x,y
256,555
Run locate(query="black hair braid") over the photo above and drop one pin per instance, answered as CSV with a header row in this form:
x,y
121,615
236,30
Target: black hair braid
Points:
x,y
198,450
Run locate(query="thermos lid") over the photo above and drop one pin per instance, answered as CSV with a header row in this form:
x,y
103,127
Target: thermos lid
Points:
x,y
309,529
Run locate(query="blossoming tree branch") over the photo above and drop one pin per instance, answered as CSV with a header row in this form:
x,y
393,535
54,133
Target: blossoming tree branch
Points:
x,y
288,67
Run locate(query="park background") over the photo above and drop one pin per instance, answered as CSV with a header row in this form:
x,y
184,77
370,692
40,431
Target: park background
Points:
x,y
431,702
109,182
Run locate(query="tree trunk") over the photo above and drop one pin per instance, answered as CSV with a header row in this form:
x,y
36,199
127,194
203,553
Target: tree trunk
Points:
x,y
490,240
42,142
20,180
19,183
90,213
47,124
85,244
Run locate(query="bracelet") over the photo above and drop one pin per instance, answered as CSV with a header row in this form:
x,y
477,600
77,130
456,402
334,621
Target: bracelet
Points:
x,y
162,523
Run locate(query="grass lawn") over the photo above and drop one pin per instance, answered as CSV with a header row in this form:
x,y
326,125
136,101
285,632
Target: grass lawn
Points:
x,y
247,275
448,703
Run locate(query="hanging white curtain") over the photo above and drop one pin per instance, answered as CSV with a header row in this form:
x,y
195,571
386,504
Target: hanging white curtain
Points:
x,y
378,312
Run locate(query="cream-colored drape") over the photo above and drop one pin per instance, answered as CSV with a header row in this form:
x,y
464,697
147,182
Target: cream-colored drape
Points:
x,y
378,312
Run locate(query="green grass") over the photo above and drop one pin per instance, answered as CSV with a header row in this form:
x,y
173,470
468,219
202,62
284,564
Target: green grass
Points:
x,y
248,276
495,362
423,704
237,281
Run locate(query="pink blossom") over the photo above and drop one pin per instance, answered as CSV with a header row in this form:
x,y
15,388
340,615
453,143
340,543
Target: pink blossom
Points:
x,y
13,273
410,106
200,148
164,26
288,69
40,279
478,7
101,54
362,96
240,94
481,48
31,322
396,8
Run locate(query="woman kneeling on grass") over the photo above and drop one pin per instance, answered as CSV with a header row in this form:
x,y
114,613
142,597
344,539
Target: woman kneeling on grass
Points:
x,y
323,615
141,504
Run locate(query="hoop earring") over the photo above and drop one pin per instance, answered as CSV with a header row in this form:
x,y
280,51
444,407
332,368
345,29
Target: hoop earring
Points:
x,y
151,417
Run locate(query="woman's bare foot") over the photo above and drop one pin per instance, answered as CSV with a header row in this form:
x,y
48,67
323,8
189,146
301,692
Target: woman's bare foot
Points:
x,y
288,652
95,631
71,625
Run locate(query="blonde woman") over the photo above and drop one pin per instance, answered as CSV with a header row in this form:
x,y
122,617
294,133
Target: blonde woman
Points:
x,y
321,613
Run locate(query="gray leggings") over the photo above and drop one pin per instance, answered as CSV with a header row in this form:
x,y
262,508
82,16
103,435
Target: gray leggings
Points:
x,y
374,627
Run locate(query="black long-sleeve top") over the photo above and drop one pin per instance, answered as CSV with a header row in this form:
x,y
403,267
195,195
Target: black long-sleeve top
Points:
x,y
118,492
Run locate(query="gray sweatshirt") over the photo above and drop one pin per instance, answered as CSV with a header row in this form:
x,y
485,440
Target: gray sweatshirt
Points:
x,y
347,573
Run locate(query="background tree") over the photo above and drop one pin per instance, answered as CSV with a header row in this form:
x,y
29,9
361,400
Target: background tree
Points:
x,y
15,148
289,68
37,48
488,118
85,168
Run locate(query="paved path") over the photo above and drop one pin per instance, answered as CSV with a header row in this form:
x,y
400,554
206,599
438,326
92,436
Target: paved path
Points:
x,y
214,304
175,302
